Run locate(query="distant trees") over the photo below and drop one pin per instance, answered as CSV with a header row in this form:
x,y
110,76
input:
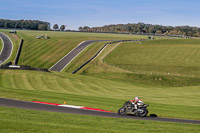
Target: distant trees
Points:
x,y
85,28
62,28
24,24
129,29
146,28
55,27
80,28
42,27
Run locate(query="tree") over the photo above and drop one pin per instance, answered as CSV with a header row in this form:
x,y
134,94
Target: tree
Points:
x,y
80,28
25,24
86,28
129,29
151,29
145,28
62,28
42,27
55,27
158,32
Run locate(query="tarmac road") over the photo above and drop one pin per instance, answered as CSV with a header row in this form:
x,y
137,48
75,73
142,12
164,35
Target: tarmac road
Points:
x,y
7,48
52,108
62,63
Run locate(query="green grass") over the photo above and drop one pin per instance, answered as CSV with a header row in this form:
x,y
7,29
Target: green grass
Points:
x,y
105,83
19,120
45,53
98,93
158,57
156,63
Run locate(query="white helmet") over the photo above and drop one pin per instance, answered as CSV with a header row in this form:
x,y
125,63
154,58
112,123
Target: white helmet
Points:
x,y
137,99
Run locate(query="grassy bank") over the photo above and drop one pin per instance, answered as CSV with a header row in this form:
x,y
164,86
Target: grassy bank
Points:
x,y
46,52
18,120
98,93
164,73
166,57
172,63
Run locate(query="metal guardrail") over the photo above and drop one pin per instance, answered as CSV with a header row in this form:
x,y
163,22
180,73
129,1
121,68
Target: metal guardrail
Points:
x,y
14,67
18,52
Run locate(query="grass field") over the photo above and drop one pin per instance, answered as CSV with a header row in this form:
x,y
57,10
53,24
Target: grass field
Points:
x,y
161,63
98,93
46,52
176,57
18,120
119,73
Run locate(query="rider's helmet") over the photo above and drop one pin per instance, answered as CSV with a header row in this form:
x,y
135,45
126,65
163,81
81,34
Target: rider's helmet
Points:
x,y
137,99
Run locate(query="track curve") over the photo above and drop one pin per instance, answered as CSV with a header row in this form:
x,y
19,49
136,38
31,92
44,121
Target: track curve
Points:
x,y
51,108
62,63
7,48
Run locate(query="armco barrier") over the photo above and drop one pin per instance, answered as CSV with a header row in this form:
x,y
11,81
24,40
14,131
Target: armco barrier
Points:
x,y
18,52
75,71
9,63
22,68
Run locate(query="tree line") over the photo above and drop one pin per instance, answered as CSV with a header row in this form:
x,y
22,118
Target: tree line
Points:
x,y
25,24
142,28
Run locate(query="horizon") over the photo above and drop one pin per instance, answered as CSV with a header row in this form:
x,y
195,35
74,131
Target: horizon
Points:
x,y
95,13
51,25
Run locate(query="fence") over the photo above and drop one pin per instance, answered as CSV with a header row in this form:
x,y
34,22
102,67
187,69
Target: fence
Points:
x,y
8,66
18,52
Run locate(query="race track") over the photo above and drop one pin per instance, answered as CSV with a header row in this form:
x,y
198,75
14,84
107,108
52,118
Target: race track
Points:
x,y
7,48
62,63
52,108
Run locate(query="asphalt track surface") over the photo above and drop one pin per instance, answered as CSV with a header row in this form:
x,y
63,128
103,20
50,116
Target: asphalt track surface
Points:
x,y
62,63
7,48
52,108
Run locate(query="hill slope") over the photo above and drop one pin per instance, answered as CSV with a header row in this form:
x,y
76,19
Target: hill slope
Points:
x,y
97,93
160,63
45,53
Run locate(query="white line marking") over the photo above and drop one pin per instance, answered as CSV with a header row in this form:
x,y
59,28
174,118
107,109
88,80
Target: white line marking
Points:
x,y
66,55
71,106
75,57
3,45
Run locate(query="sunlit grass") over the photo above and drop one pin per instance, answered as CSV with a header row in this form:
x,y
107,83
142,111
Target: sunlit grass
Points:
x,y
19,120
45,53
98,93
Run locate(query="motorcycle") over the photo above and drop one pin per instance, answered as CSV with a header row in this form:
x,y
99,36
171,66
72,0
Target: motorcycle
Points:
x,y
128,108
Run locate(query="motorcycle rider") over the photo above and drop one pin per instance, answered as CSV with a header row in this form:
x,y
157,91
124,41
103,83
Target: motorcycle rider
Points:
x,y
136,102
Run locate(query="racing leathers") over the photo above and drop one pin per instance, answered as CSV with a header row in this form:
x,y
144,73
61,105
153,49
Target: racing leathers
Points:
x,y
136,103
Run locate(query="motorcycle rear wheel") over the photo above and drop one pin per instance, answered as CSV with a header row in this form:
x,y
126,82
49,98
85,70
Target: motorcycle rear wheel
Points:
x,y
144,113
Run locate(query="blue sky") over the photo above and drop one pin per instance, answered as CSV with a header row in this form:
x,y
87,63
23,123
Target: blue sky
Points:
x,y
76,13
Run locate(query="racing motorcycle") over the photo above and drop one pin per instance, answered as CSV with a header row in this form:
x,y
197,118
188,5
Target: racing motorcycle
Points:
x,y
128,108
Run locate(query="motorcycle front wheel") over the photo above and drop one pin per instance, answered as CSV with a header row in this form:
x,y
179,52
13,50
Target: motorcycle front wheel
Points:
x,y
122,111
